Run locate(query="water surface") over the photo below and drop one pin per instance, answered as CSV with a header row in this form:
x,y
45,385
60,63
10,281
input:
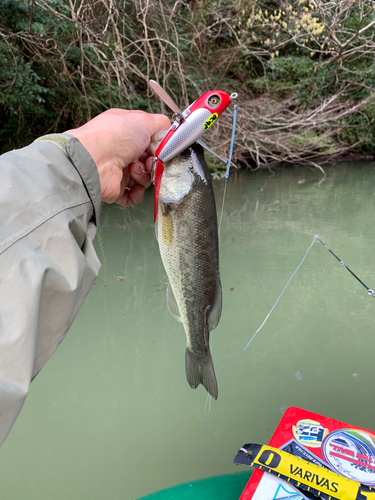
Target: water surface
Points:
x,y
112,416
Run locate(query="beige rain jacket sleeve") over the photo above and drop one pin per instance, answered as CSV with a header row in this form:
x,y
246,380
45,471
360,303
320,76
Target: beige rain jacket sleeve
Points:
x,y
49,210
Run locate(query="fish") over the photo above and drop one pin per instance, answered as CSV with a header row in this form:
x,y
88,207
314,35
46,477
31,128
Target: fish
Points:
x,y
187,233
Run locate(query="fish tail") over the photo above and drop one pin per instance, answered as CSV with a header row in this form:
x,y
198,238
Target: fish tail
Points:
x,y
200,370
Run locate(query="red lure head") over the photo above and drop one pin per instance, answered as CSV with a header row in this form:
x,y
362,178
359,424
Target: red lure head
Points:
x,y
215,101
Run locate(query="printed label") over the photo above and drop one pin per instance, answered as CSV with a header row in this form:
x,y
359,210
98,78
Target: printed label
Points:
x,y
298,450
212,119
298,471
351,453
309,433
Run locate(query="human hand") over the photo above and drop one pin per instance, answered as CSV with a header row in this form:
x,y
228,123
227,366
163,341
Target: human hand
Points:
x,y
118,141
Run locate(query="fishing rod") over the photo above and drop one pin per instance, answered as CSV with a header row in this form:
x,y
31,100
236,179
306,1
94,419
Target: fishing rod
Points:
x,y
369,290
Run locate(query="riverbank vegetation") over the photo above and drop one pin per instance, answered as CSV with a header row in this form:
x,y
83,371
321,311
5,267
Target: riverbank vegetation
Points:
x,y
304,69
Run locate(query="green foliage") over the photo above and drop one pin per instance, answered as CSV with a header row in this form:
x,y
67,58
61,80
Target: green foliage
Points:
x,y
359,129
285,75
292,68
13,15
22,99
314,142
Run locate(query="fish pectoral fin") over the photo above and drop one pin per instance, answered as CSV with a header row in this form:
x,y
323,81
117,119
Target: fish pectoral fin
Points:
x,y
214,313
172,304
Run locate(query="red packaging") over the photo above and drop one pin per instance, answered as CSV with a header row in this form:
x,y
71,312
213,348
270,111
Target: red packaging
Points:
x,y
343,448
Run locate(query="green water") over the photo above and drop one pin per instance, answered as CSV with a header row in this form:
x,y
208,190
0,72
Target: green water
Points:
x,y
112,416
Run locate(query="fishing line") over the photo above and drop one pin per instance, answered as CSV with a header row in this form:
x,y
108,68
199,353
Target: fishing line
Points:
x,y
207,405
208,400
233,97
272,308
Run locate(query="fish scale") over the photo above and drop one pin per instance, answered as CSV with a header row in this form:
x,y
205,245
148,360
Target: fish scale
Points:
x,y
188,241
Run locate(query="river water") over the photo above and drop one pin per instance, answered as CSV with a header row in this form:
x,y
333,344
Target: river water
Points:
x,y
112,416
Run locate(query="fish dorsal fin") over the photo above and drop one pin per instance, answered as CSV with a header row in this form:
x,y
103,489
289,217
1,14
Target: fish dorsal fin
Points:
x,y
172,304
214,313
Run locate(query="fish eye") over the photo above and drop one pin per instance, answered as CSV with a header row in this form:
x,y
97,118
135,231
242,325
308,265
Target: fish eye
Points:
x,y
213,101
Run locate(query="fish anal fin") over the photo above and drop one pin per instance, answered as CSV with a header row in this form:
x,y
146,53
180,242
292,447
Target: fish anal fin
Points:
x,y
214,313
200,370
172,304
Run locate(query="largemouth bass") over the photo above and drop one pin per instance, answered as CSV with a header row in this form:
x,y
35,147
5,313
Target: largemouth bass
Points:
x,y
187,233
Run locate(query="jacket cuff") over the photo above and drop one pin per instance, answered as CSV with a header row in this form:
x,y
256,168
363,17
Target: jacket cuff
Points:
x,y
83,163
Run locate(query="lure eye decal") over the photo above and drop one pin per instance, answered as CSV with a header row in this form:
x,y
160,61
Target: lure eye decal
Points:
x,y
213,101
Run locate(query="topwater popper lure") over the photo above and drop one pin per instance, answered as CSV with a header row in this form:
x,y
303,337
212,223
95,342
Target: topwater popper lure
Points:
x,y
187,127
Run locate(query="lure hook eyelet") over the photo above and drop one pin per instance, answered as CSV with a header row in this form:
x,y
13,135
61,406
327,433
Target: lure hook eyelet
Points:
x,y
177,117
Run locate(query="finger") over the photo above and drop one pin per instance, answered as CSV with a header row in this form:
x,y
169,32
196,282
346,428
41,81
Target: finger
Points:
x,y
148,163
113,185
143,157
137,171
135,195
157,123
131,196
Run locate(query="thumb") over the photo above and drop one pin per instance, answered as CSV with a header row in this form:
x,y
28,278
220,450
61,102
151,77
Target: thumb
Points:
x,y
157,123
